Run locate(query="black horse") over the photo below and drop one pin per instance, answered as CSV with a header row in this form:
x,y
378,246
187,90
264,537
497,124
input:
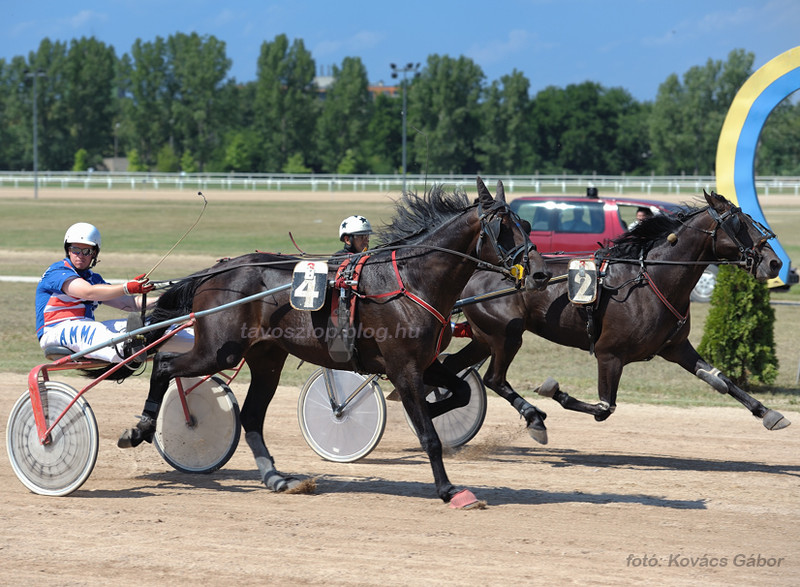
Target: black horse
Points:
x,y
407,288
642,307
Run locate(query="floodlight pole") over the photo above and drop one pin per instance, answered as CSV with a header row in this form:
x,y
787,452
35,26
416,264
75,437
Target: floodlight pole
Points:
x,y
404,70
34,75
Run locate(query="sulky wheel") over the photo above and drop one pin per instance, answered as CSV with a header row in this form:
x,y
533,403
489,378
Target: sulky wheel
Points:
x,y
457,427
209,438
351,432
60,466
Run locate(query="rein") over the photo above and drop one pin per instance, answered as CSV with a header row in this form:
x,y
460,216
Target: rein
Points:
x,y
730,223
402,291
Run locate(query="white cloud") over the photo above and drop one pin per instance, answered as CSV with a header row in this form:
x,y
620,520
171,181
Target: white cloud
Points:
x,y
86,18
517,41
356,45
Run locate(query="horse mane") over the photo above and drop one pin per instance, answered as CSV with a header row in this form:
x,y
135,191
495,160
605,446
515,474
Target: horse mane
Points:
x,y
648,233
415,215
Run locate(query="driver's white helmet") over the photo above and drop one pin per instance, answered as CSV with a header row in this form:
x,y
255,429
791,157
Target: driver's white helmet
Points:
x,y
82,233
354,225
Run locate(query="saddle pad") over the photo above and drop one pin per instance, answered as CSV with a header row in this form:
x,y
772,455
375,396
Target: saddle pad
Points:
x,y
309,285
582,281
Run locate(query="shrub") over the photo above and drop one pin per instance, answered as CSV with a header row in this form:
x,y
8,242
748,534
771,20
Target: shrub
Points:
x,y
739,336
135,162
167,160
81,160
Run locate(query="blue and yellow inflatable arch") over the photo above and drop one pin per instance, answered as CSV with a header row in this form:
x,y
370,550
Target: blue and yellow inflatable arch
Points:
x,y
736,150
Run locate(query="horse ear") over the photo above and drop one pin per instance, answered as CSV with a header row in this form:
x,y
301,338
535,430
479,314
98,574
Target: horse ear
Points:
x,y
501,192
484,195
715,200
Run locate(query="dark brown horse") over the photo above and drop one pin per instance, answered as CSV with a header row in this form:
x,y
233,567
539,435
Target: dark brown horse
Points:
x,y
407,289
642,307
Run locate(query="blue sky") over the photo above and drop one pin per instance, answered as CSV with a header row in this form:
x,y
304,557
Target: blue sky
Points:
x,y
634,44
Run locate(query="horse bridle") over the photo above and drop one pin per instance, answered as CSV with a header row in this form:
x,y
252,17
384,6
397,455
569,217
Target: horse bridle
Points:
x,y
491,220
731,224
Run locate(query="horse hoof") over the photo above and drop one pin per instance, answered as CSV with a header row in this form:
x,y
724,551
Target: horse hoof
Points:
x,y
394,396
278,482
466,500
143,432
548,388
539,435
775,421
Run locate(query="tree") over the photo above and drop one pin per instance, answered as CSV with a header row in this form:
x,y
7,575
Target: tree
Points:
x,y
739,332
285,104
777,153
443,104
56,149
149,96
342,124
507,142
383,142
88,79
627,145
687,118
197,93
15,116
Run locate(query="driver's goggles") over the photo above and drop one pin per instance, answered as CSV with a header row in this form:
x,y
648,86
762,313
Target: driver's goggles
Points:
x,y
86,252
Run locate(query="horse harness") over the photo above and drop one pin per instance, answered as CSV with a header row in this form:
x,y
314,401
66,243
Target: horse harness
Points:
x,y
730,224
348,275
343,306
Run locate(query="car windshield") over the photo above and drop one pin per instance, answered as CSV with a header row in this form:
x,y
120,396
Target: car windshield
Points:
x,y
575,217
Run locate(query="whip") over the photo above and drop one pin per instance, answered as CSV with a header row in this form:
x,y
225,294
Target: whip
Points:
x,y
205,203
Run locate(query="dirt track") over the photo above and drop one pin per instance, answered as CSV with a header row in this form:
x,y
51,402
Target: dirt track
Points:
x,y
653,496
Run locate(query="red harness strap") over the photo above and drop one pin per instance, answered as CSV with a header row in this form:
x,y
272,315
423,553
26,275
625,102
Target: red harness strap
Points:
x,y
341,282
664,300
403,291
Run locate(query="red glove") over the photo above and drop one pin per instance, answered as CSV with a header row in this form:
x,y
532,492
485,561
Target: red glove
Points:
x,y
139,285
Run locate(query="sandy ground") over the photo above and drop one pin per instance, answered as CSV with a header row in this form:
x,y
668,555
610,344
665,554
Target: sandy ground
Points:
x,y
654,496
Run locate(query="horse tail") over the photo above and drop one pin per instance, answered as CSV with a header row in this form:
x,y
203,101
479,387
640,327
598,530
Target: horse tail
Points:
x,y
176,301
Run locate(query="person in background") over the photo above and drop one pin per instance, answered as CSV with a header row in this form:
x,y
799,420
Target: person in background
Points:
x,y
642,213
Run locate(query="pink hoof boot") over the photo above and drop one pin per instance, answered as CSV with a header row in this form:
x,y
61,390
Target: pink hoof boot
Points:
x,y
464,500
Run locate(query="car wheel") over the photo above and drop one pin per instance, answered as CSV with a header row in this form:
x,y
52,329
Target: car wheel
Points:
x,y
702,291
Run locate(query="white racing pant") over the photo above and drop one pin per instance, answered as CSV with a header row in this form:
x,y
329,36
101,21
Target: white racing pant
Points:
x,y
78,335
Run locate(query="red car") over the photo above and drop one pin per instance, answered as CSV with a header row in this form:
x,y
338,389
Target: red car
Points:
x,y
572,224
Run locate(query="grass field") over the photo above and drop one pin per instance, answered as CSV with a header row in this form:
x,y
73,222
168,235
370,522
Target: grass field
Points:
x,y
138,232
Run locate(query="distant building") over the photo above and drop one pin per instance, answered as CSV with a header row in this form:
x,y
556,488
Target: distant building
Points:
x,y
325,80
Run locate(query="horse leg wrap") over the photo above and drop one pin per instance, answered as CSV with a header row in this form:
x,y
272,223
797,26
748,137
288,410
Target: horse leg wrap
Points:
x,y
548,388
264,460
274,480
520,405
713,379
151,408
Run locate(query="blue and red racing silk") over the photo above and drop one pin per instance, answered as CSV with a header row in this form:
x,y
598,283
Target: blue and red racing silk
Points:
x,y
53,305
